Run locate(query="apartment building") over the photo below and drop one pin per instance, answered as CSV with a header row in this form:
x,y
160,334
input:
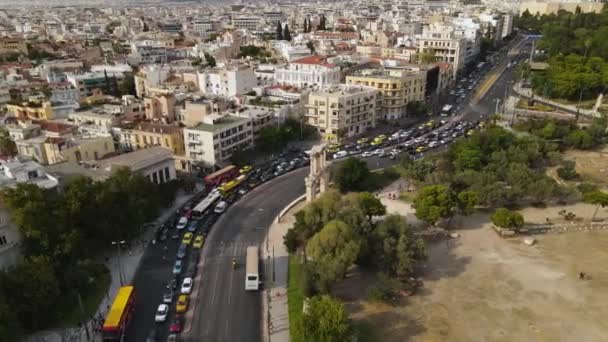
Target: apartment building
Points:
x,y
96,120
247,23
470,31
397,88
309,71
214,139
342,111
205,27
441,41
31,110
77,149
228,81
91,82
149,52
160,107
259,116
13,45
147,134
195,110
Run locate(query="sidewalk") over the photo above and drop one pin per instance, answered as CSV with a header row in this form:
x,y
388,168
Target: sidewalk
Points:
x,y
527,93
275,311
129,263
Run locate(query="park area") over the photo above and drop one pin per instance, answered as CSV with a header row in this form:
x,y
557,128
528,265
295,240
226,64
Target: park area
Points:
x,y
480,287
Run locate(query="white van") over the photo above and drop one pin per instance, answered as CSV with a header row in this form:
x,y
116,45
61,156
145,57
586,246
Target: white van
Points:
x,y
220,207
340,154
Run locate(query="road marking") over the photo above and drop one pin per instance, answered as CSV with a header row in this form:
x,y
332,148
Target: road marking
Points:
x,y
226,329
217,271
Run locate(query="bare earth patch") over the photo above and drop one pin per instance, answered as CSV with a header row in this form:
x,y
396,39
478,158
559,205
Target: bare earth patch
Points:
x,y
592,165
480,287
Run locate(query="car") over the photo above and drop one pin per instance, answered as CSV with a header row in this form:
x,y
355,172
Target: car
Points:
x,y
362,141
245,169
181,224
376,142
380,137
182,304
192,226
176,324
199,240
242,191
172,284
186,285
161,313
340,154
187,239
172,337
220,207
420,149
177,267
181,251
367,154
168,297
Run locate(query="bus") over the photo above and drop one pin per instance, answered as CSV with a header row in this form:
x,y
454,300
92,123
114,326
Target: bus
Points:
x,y
252,274
117,319
221,176
226,188
205,204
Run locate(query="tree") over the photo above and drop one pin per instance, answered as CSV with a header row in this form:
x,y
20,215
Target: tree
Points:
x,y
7,145
196,61
127,86
279,31
333,250
322,23
395,249
369,205
326,320
598,198
434,202
427,57
286,34
210,60
306,25
568,170
351,175
580,139
311,46
505,218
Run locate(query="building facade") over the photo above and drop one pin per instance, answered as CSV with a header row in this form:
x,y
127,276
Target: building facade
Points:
x,y
312,71
442,42
146,134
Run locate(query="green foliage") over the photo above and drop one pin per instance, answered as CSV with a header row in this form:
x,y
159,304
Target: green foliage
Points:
x,y
253,52
7,145
210,60
286,33
326,320
567,171
279,31
566,134
384,288
506,218
351,175
395,249
295,298
311,46
276,137
417,108
435,202
127,86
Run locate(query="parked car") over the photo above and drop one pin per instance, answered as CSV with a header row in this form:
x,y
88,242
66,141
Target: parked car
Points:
x,y
161,313
176,325
168,297
192,226
186,285
172,337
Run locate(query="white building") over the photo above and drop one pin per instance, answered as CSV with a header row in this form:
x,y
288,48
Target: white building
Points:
x,y
205,27
227,81
149,52
470,31
309,71
214,140
247,23
342,111
441,40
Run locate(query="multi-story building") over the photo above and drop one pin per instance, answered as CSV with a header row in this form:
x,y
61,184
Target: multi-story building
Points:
x,y
247,23
397,88
442,42
309,71
90,82
228,81
149,52
64,92
32,110
160,107
146,134
77,149
13,45
259,116
342,111
470,31
215,139
96,120
205,27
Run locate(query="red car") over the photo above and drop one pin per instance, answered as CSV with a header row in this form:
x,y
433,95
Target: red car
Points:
x,y
176,325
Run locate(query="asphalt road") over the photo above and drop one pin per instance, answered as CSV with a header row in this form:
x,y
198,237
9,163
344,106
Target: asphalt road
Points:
x,y
223,310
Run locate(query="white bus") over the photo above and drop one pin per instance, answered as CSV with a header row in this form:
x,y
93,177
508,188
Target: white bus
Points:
x,y
252,275
207,202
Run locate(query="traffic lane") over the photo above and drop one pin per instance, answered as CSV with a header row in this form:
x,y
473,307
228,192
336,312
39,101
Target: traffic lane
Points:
x,y
153,273
224,311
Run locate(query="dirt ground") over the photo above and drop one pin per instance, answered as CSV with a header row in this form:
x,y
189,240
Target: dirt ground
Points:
x,y
592,165
479,287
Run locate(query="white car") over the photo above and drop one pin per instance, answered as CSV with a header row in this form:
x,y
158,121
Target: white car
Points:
x,y
182,223
367,154
161,313
187,285
220,207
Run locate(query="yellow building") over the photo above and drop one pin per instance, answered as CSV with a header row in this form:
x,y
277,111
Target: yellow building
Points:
x,y
77,149
148,134
397,88
31,110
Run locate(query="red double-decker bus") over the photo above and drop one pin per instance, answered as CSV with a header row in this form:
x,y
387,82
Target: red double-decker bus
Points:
x,y
117,319
221,176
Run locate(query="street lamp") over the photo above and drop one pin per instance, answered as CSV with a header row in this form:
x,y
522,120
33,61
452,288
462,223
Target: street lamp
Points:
x,y
118,244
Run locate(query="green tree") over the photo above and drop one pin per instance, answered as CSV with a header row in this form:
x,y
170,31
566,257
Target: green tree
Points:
x,y
395,248
369,205
598,198
279,31
311,46
333,250
10,328
326,320
351,175
210,60
7,145
506,218
580,139
568,170
127,86
433,203
286,33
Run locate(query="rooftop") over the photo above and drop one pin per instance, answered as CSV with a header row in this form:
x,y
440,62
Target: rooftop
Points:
x,y
219,124
314,60
137,160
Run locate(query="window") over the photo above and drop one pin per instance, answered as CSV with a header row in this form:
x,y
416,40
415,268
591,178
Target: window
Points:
x,y
155,178
167,176
3,240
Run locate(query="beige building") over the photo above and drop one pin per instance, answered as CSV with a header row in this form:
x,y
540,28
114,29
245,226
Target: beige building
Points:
x,y
160,107
13,45
77,149
32,110
148,134
194,111
397,88
553,7
342,111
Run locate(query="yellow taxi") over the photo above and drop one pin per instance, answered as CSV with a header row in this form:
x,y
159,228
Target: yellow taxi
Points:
x,y
380,137
245,169
376,142
362,141
199,240
187,238
420,149
182,304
